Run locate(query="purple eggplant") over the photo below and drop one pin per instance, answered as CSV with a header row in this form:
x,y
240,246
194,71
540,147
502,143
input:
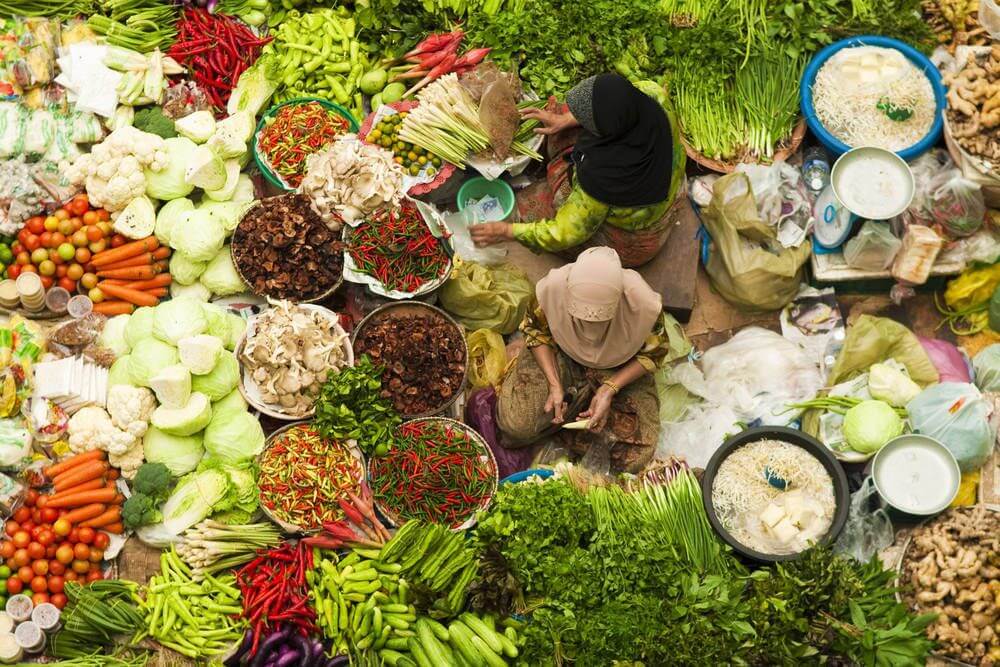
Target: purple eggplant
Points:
x,y
236,658
336,661
304,647
292,657
269,646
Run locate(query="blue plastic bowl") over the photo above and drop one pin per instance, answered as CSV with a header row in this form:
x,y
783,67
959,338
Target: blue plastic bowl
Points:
x,y
522,475
836,146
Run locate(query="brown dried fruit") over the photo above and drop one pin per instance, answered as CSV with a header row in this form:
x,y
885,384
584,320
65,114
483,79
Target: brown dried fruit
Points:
x,y
310,260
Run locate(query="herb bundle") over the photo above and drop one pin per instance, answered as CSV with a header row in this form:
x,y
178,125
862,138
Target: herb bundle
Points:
x,y
351,406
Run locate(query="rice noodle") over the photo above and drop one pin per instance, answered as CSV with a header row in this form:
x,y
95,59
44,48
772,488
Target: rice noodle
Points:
x,y
846,95
741,492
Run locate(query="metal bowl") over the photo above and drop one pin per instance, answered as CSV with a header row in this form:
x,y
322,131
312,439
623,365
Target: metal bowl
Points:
x,y
394,518
398,308
841,493
249,389
290,527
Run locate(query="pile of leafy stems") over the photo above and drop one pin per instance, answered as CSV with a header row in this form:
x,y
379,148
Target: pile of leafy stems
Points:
x,y
140,25
95,614
64,9
351,406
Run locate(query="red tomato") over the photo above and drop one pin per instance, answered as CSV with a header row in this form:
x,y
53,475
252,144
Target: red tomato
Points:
x,y
86,535
56,568
25,574
94,233
27,525
78,205
39,598
14,586
49,514
50,551
46,537
59,600
36,531
103,215
21,558
21,539
10,527
61,270
67,284
58,239
48,281
41,567
13,271
36,551
101,541
81,566
23,258
81,552
16,247
36,515
72,538
118,240
7,549
32,243
56,584
22,514
94,575
42,501
46,239
39,585
71,576
96,556
35,225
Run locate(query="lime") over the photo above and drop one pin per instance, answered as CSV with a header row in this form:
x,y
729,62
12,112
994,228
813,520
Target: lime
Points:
x,y
431,171
5,254
436,161
381,450
414,169
4,572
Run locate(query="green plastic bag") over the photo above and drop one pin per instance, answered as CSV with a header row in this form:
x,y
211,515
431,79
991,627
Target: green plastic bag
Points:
x,y
987,367
747,265
487,297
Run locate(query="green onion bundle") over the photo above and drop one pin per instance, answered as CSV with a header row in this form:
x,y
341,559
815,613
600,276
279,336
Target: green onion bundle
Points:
x,y
211,547
767,87
63,9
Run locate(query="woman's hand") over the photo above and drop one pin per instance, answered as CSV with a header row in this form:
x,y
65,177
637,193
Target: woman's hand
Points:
x,y
600,408
488,233
555,403
551,121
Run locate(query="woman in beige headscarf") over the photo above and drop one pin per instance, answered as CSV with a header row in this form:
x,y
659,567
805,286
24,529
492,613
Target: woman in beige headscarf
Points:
x,y
594,337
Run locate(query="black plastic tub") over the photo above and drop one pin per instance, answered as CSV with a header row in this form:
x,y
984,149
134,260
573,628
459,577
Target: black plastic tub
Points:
x,y
841,493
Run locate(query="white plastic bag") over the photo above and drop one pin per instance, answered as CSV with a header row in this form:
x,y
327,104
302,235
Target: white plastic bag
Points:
x,y
782,200
458,224
866,532
873,248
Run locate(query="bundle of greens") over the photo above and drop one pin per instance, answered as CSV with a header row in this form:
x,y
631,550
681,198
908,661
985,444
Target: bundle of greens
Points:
x,y
351,406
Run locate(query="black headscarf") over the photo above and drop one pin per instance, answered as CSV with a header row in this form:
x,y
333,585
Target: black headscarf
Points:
x,y
629,160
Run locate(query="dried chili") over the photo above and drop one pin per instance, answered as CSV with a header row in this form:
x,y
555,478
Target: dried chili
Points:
x,y
436,472
294,133
275,591
303,476
216,49
396,247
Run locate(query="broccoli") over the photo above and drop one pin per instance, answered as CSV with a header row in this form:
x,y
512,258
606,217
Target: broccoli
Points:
x,y
140,510
153,480
152,120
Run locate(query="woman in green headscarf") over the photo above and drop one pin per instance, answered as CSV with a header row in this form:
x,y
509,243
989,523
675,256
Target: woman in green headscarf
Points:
x,y
628,166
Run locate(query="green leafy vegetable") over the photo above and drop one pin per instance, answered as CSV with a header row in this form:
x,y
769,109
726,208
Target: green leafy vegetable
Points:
x,y
350,405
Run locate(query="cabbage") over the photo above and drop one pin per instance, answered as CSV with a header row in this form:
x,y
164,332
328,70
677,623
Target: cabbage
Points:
x,y
200,353
119,373
180,454
225,193
138,220
232,402
221,277
889,384
233,437
178,318
871,424
245,191
198,126
222,380
218,323
237,325
149,356
197,292
205,169
188,420
255,86
226,213
194,498
231,137
172,386
168,215
140,326
243,479
184,271
169,183
987,367
113,335
198,235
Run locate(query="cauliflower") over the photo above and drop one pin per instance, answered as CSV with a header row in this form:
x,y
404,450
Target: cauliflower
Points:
x,y
130,408
113,170
92,428
128,461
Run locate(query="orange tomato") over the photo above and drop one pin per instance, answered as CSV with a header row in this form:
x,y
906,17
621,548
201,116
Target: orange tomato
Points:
x,y
71,576
94,575
67,284
7,549
14,586
81,551
103,215
82,254
36,551
62,527
35,225
86,535
22,514
101,541
41,567
10,527
21,539
96,556
39,598
59,600
21,558
25,574
64,554
56,584
56,568
81,566
94,233
62,214
32,242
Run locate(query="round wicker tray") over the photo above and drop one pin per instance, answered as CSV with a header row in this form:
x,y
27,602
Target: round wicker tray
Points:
x,y
798,134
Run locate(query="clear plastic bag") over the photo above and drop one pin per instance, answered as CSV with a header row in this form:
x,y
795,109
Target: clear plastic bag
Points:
x,y
868,529
873,248
956,203
987,367
956,415
459,224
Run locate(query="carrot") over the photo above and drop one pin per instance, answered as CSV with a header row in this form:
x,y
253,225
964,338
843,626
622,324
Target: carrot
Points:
x,y
114,308
158,292
161,266
131,273
84,473
113,515
86,486
112,474
144,259
148,244
163,252
84,498
77,459
116,528
118,500
86,512
128,294
161,280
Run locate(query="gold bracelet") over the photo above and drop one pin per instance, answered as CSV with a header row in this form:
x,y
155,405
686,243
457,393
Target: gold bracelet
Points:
x,y
612,386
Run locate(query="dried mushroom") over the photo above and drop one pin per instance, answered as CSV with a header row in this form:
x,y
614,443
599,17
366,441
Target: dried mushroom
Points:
x,y
283,249
290,353
423,359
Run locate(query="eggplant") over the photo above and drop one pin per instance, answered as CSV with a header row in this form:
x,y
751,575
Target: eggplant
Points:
x,y
268,646
303,646
288,659
336,661
236,658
